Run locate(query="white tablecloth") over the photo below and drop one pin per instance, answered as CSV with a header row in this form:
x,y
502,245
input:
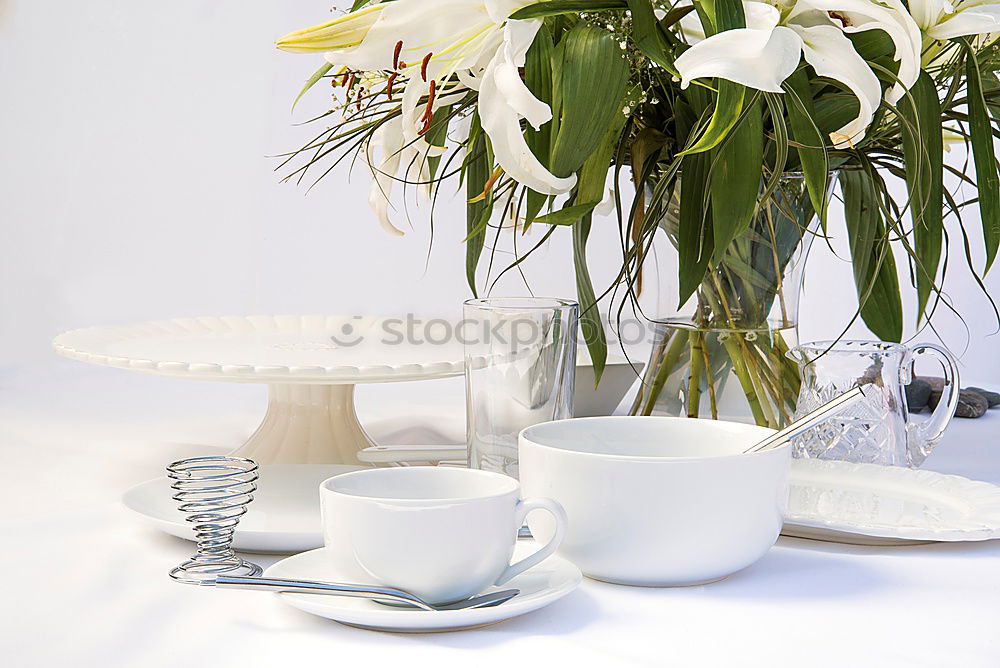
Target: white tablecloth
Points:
x,y
85,582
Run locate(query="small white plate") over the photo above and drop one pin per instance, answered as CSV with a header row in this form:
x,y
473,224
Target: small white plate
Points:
x,y
867,504
283,517
545,583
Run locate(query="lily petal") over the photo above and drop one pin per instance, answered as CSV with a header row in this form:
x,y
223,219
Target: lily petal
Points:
x,y
832,55
344,32
518,36
501,122
411,109
974,20
499,10
456,32
927,13
469,79
389,138
760,56
889,16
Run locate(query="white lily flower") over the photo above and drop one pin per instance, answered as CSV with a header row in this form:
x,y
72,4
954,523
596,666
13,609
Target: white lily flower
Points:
x,y
428,41
503,101
760,56
767,51
941,20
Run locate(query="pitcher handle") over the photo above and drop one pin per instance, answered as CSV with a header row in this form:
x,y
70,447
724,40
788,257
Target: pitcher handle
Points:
x,y
926,435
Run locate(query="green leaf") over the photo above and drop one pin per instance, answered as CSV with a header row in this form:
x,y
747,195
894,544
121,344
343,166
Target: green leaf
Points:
x,y
590,318
594,173
590,188
644,150
923,156
729,15
987,180
728,105
673,16
871,256
776,155
358,4
735,178
694,232
534,202
706,14
695,100
478,169
317,75
806,133
538,79
872,44
556,7
648,35
591,84
436,136
834,111
567,215
719,15
538,74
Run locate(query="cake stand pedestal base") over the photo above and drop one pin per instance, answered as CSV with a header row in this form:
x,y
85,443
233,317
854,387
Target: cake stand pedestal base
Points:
x,y
308,424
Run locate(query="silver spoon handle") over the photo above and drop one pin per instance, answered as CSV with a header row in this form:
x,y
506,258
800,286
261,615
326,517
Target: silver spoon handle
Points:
x,y
313,587
807,421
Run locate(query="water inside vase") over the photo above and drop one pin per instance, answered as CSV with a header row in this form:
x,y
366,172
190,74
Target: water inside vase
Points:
x,y
741,375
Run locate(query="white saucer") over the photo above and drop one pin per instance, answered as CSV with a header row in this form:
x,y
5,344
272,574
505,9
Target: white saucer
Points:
x,y
547,582
867,504
283,517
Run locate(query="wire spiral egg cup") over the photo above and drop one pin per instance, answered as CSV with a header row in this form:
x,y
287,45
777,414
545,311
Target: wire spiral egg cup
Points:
x,y
214,493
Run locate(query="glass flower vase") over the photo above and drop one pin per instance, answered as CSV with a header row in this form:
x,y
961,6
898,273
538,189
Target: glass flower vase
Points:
x,y
724,355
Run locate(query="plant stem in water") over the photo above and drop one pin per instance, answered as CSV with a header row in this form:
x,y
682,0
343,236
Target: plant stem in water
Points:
x,y
696,367
709,378
678,341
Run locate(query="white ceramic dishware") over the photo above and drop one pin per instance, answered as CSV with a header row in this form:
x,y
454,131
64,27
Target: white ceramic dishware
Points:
x,y
283,518
657,501
541,585
441,533
311,365
869,504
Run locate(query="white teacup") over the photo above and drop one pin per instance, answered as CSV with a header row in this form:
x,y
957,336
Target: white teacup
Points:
x,y
444,534
657,501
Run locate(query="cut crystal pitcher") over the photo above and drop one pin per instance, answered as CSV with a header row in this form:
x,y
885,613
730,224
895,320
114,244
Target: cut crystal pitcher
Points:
x,y
876,429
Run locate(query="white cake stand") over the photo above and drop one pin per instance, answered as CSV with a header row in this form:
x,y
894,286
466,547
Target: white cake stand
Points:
x,y
309,363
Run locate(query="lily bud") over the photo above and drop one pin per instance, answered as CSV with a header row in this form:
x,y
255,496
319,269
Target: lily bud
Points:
x,y
343,33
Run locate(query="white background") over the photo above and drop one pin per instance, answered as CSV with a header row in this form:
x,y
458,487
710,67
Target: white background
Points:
x,y
135,183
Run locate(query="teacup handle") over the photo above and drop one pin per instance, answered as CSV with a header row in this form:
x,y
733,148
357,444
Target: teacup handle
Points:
x,y
525,506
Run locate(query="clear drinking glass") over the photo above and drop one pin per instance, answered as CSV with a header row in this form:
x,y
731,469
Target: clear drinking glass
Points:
x,y
520,366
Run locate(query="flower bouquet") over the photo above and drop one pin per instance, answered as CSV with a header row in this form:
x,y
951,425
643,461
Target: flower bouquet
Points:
x,y
730,119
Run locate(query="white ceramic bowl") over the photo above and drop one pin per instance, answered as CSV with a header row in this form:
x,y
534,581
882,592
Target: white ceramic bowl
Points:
x,y
656,501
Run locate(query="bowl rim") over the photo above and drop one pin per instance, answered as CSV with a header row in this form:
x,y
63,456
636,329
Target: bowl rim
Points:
x,y
522,437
